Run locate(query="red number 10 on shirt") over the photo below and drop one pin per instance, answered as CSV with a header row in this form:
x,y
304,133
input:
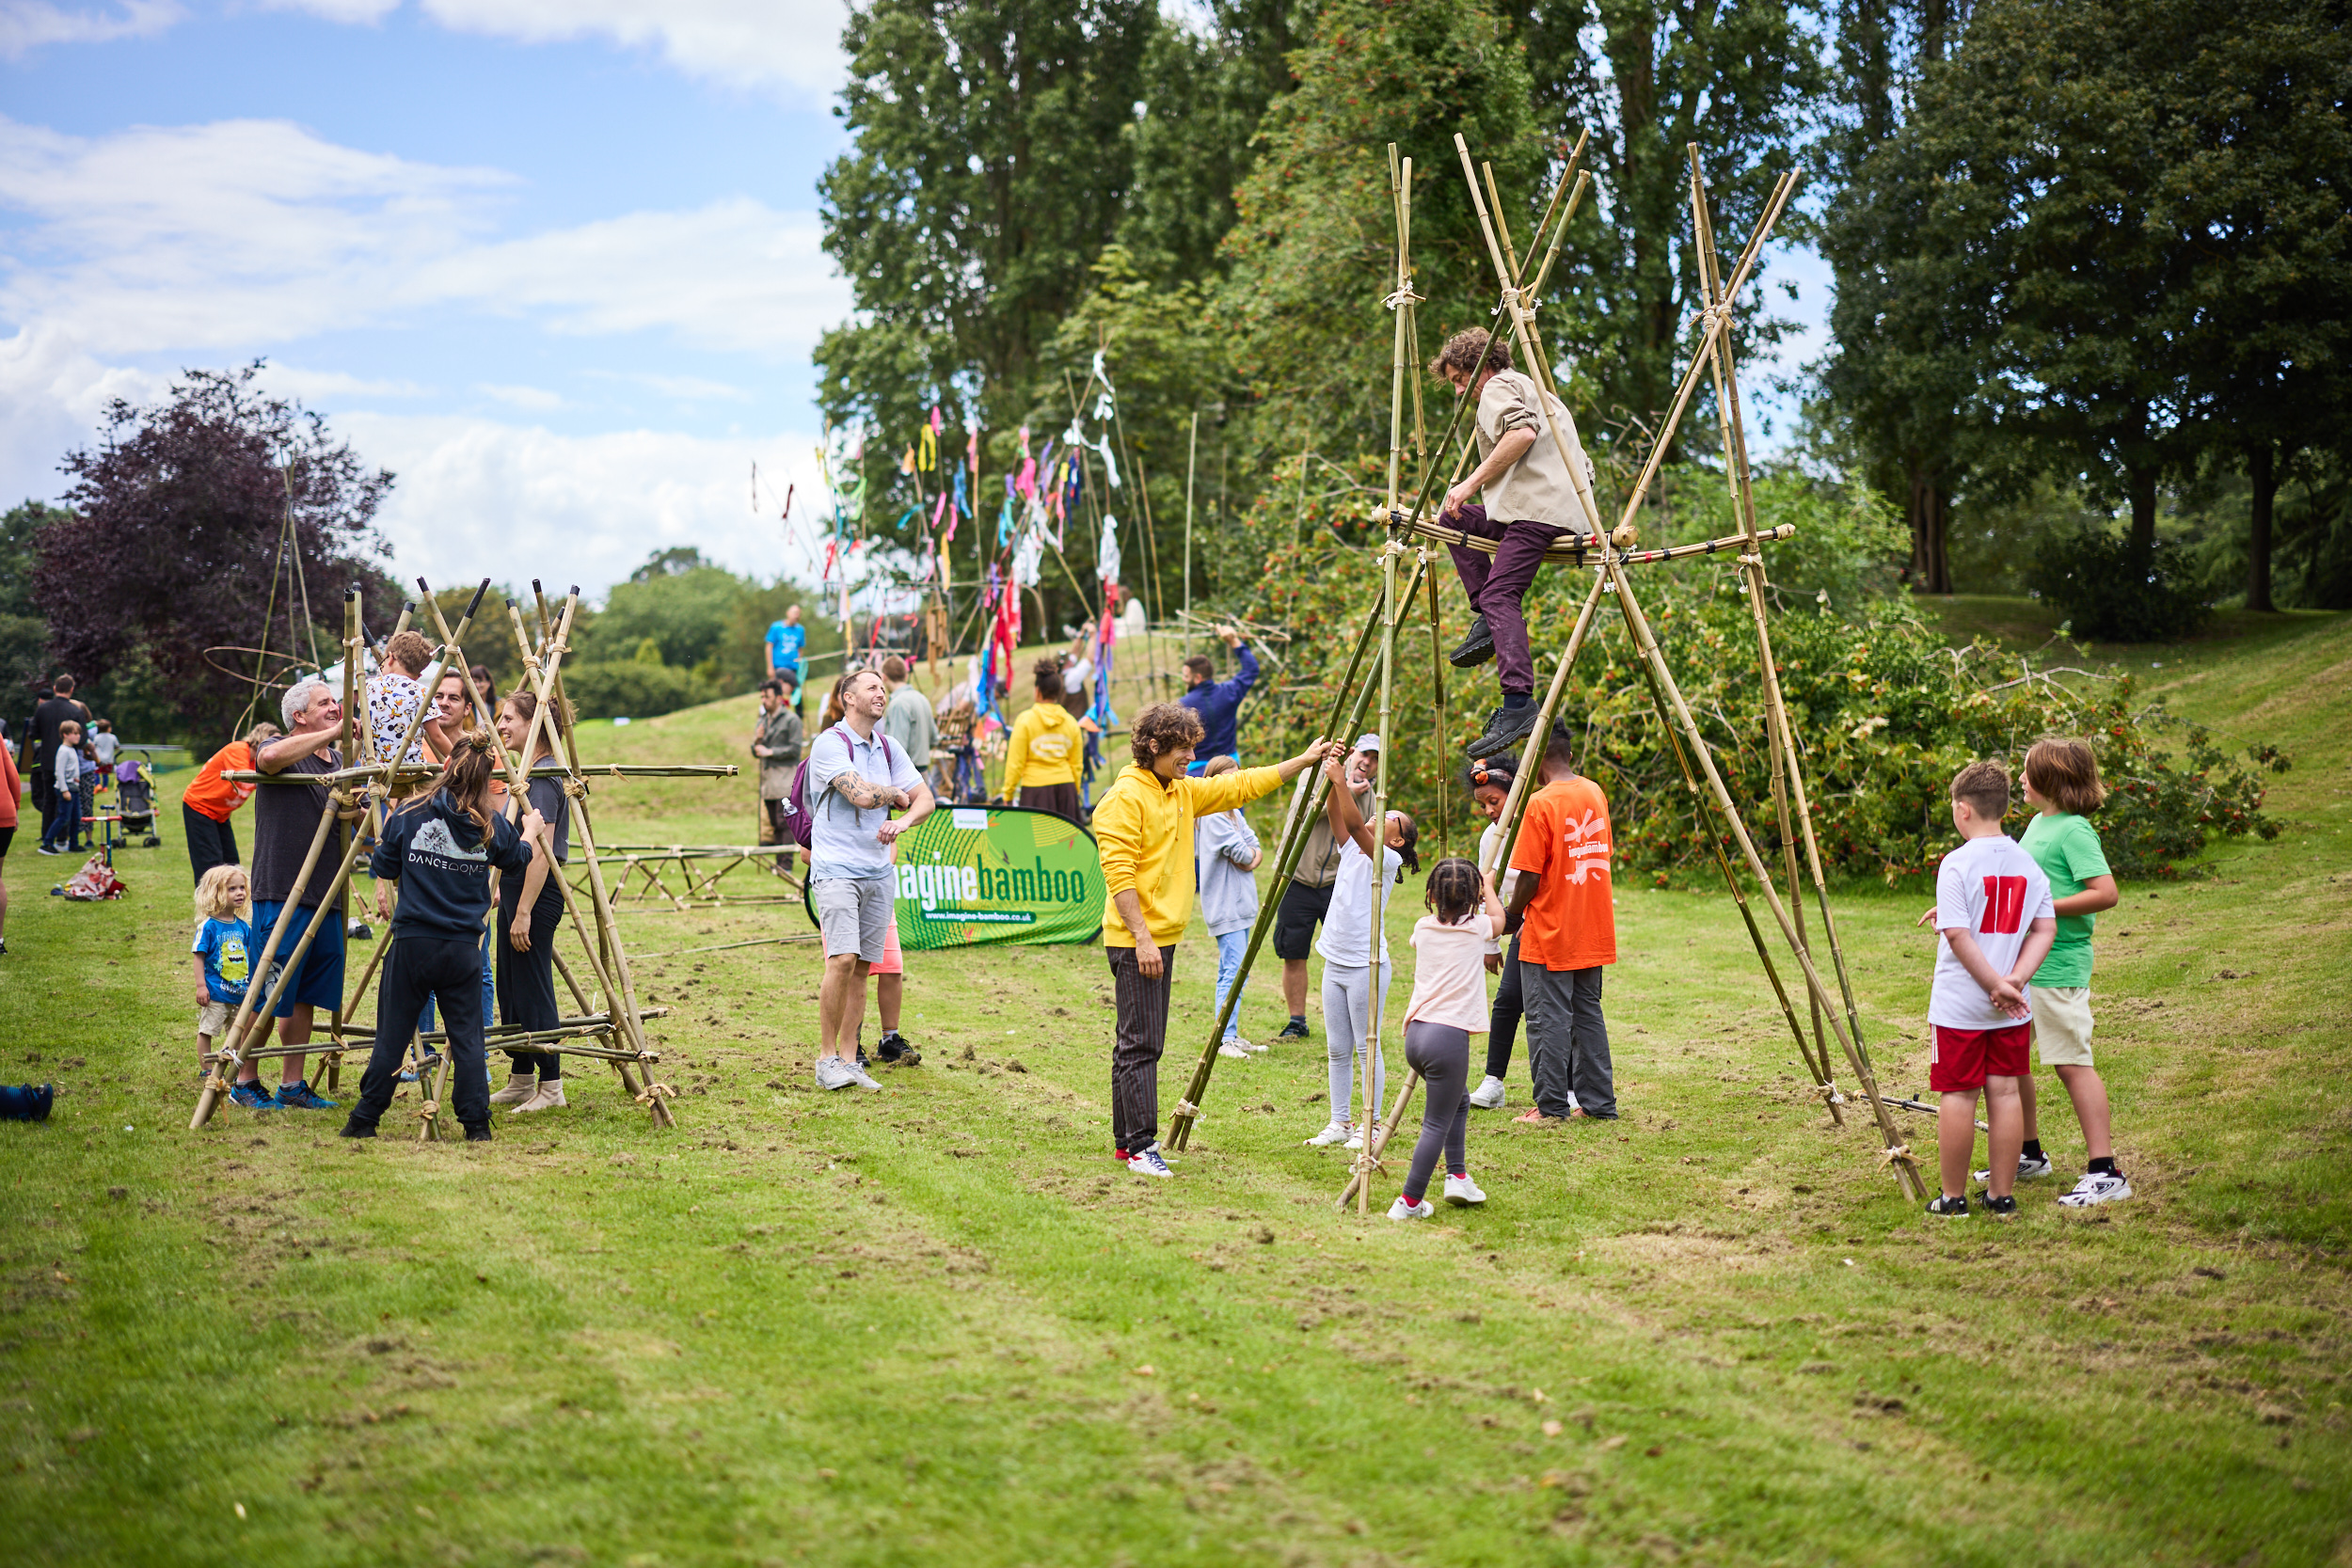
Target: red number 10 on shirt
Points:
x,y
2004,905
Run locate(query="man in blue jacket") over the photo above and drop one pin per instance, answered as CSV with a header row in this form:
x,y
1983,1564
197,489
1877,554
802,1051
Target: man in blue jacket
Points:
x,y
1217,703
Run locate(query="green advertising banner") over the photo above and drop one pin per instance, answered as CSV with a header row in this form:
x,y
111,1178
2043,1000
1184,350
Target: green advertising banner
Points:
x,y
975,874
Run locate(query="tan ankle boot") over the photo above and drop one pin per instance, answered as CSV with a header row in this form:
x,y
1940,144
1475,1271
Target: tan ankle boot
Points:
x,y
547,1097
521,1087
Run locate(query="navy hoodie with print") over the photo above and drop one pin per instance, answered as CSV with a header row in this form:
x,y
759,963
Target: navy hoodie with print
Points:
x,y
433,850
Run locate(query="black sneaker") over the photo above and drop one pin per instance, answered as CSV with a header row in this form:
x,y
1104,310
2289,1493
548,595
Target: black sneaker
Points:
x,y
1293,1030
355,1128
2001,1206
1505,730
894,1050
1950,1208
480,1134
1476,649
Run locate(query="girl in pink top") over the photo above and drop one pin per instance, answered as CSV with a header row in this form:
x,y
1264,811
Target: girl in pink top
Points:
x,y
1449,1006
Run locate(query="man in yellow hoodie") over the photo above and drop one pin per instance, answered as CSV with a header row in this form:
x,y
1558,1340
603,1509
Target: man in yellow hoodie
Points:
x,y
1143,827
1041,756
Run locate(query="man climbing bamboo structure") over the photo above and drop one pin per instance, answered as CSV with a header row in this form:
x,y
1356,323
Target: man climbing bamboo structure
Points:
x,y
1530,502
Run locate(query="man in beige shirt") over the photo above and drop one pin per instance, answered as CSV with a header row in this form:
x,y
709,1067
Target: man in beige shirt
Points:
x,y
1530,502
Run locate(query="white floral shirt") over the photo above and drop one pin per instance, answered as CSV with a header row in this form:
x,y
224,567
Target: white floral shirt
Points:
x,y
392,703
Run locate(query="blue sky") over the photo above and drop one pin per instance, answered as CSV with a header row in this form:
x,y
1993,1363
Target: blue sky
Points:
x,y
553,262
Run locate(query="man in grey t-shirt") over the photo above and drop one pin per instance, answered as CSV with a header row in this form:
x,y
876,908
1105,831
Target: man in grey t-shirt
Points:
x,y
856,777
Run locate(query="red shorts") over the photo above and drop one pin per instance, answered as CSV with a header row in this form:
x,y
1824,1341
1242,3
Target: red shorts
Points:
x,y
1963,1059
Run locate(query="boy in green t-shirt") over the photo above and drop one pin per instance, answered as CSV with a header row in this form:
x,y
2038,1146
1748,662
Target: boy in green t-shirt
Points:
x,y
2062,784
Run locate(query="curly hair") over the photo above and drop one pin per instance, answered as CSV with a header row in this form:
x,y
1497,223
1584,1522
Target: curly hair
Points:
x,y
1161,728
1469,351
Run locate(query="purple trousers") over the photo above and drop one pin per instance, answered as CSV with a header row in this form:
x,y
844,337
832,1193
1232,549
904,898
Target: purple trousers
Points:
x,y
1497,583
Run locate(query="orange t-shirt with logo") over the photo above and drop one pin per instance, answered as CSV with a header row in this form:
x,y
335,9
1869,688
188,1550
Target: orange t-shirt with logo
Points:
x,y
214,797
1564,842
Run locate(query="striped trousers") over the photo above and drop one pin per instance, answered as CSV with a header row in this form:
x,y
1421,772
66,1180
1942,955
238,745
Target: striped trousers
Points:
x,y
1140,1037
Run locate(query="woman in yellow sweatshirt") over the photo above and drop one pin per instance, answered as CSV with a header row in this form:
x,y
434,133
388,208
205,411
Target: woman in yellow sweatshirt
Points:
x,y
1041,757
1143,829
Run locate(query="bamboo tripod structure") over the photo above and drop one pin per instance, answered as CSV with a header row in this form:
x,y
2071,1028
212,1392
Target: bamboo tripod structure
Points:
x,y
612,1030
1607,557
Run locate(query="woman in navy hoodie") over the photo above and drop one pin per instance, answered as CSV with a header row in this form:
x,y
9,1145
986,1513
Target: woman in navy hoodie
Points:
x,y
441,849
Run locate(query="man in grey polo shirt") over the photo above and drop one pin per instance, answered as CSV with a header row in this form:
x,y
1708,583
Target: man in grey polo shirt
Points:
x,y
856,777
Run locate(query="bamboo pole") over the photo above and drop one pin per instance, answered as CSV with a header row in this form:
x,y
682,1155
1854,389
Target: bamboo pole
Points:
x,y
1436,671
1192,455
333,1059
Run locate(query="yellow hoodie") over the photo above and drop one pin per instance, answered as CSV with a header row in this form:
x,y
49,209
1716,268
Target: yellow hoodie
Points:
x,y
1143,829
1046,749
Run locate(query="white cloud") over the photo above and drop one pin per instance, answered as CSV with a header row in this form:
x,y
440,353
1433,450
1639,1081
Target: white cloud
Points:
x,y
686,389
53,393
27,24
312,385
257,231
476,498
361,11
794,45
534,397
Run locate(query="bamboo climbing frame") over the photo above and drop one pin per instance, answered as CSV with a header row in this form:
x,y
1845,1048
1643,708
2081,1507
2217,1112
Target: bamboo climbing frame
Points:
x,y
1607,556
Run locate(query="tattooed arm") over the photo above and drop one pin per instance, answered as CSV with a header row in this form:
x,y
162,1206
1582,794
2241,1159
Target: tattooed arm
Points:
x,y
865,797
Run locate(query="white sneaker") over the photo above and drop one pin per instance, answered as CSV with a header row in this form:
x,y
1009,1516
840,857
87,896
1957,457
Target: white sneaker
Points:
x,y
2030,1168
2098,1187
1147,1162
1488,1095
519,1087
1356,1137
1462,1192
834,1073
1335,1133
1165,1158
546,1096
1400,1210
1248,1045
859,1076
1234,1050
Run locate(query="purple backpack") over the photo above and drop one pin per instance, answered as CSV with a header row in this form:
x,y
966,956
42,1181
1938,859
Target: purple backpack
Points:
x,y
796,803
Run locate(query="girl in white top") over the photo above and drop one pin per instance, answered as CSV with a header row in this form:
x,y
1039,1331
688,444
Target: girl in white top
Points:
x,y
1355,987
1449,1006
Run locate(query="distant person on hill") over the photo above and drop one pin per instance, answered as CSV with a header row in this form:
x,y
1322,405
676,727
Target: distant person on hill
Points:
x,y
1041,755
908,719
1994,910
1218,703
857,776
210,800
784,642
1144,830
1530,500
776,741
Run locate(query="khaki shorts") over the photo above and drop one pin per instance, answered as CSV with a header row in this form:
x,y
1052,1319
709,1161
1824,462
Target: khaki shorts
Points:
x,y
854,914
2062,1025
213,1018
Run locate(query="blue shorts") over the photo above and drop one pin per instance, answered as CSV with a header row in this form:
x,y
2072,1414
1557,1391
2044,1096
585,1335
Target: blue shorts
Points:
x,y
319,983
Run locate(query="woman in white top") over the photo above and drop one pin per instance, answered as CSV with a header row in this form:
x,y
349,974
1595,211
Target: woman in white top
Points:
x,y
1355,987
1449,1006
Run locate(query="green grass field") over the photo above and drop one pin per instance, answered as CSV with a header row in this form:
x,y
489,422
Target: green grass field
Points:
x,y
940,1325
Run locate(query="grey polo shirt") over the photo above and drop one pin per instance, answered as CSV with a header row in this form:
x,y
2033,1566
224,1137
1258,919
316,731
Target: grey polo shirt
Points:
x,y
841,836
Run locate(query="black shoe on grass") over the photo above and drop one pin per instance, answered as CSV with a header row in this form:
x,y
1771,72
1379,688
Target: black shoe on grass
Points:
x,y
2003,1207
1950,1208
893,1049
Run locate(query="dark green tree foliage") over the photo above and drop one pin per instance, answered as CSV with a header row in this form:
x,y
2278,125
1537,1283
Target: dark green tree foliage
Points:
x,y
679,599
989,165
1312,254
23,632
1744,83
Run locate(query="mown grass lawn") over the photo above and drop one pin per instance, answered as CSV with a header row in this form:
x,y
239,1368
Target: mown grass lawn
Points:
x,y
941,1325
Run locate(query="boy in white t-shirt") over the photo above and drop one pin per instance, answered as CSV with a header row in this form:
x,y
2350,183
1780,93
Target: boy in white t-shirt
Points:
x,y
1994,912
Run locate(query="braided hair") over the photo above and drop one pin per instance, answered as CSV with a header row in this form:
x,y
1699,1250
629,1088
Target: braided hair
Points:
x,y
1454,892
466,779
1409,842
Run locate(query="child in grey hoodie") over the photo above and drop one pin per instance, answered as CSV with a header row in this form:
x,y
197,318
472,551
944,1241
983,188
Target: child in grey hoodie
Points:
x,y
1226,850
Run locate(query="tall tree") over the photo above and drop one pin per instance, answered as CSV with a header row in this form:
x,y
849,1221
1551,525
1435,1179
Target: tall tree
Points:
x,y
1648,77
989,165
172,547
24,634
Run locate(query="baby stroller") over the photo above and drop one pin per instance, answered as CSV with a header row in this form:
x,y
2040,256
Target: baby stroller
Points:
x,y
134,801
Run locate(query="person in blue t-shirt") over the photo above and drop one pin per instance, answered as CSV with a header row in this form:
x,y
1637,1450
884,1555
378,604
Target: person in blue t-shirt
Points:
x,y
441,850
223,953
1216,702
785,639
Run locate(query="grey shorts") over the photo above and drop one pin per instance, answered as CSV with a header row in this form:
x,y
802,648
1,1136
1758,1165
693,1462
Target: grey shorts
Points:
x,y
854,914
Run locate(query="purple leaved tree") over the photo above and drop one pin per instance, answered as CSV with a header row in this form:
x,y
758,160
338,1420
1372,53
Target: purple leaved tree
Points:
x,y
172,547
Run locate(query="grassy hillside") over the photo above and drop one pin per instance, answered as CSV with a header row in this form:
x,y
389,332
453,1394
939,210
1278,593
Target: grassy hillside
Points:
x,y
941,1325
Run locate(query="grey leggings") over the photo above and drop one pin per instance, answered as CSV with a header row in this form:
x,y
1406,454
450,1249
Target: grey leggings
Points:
x,y
1348,995
1440,1054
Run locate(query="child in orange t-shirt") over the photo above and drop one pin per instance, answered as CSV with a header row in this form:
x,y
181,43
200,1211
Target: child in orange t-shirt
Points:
x,y
1568,935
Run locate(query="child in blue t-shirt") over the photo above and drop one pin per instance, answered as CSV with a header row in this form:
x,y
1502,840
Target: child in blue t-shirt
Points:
x,y
785,639
223,952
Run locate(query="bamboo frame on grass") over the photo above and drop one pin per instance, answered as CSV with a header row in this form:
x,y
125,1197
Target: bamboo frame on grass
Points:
x,y
1678,710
